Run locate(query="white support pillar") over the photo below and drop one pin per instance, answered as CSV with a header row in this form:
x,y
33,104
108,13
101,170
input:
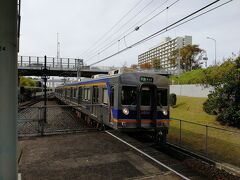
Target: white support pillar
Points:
x,y
8,90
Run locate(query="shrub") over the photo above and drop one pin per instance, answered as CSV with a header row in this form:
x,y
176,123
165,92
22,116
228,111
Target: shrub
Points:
x,y
225,100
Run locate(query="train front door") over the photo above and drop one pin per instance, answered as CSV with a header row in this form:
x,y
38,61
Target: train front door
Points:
x,y
147,105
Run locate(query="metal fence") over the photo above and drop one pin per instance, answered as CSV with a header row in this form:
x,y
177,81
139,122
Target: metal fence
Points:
x,y
52,62
35,62
43,120
222,145
29,121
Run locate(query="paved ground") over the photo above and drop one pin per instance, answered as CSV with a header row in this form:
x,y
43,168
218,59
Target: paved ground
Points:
x,y
91,155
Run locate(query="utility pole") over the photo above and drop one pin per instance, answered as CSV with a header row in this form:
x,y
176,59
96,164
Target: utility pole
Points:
x,y
45,77
58,52
179,61
215,49
45,89
8,90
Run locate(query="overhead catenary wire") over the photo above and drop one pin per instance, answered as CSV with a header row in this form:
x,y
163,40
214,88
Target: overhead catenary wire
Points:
x,y
121,27
125,15
123,37
169,27
167,8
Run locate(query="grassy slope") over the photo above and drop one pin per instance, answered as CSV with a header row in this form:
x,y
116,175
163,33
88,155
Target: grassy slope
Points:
x,y
191,77
222,146
201,76
190,109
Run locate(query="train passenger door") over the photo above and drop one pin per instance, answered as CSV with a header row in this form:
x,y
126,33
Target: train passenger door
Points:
x,y
79,95
95,100
111,103
147,104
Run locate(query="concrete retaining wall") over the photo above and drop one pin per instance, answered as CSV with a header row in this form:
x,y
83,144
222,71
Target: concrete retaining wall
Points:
x,y
191,90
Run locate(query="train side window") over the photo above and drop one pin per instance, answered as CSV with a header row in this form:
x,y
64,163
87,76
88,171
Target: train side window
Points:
x,y
129,95
85,93
112,96
82,90
74,92
105,96
79,93
162,97
71,93
67,92
95,94
146,97
89,94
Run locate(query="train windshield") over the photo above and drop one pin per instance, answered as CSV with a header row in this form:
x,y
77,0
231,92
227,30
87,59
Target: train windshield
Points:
x,y
129,95
162,97
146,96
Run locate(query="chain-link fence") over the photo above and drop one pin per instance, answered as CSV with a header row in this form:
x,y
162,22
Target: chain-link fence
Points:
x,y
43,120
222,145
61,118
29,121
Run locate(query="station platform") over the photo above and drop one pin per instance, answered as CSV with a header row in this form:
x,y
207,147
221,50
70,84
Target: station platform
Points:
x,y
86,155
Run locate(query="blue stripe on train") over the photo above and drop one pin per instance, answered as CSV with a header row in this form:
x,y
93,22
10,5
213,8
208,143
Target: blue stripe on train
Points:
x,y
89,82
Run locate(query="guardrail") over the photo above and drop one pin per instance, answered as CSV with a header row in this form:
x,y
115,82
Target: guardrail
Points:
x,y
35,62
52,62
222,145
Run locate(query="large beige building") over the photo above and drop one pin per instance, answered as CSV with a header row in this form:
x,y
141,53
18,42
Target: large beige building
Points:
x,y
160,54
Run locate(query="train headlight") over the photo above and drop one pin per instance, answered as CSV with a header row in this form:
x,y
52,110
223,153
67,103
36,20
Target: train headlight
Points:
x,y
165,112
125,111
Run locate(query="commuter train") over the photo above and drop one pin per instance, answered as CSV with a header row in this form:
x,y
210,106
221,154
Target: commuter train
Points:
x,y
133,101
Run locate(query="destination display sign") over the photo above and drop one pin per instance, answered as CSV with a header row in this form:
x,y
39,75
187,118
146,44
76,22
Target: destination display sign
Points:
x,y
146,79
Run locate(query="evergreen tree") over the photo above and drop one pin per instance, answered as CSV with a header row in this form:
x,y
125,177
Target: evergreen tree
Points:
x,y
225,100
188,57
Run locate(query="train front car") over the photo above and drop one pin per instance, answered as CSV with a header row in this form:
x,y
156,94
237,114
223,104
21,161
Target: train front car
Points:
x,y
142,104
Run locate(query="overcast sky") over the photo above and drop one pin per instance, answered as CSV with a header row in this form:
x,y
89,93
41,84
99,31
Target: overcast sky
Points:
x,y
81,23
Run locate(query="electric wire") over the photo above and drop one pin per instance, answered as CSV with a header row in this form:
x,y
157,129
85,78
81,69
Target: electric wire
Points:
x,y
169,27
126,14
136,29
122,36
121,27
167,8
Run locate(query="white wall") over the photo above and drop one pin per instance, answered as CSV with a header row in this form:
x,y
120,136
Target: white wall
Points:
x,y
191,90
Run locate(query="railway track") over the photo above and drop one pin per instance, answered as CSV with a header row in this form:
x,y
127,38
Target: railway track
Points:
x,y
147,149
183,163
27,104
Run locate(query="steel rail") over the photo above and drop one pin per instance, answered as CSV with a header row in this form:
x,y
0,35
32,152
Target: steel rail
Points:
x,y
150,157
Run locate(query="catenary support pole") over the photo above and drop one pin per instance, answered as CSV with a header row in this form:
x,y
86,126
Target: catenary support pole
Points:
x,y
45,88
8,90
